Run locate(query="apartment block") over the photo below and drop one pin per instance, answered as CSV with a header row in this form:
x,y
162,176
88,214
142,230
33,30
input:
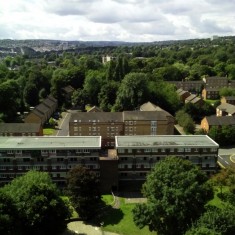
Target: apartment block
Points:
x,y
55,155
138,154
124,167
111,124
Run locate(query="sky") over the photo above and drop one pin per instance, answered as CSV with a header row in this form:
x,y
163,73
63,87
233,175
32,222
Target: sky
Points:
x,y
116,20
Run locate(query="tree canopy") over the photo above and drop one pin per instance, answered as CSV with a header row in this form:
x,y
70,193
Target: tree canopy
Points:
x,y
176,192
83,189
40,209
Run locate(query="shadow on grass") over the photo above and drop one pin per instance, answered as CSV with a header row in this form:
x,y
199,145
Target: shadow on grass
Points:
x,y
69,232
109,216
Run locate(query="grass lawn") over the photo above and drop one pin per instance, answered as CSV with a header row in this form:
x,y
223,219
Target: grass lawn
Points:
x,y
216,201
121,220
211,102
48,131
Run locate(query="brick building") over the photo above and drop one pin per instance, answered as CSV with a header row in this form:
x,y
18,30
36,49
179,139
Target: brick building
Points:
x,y
110,124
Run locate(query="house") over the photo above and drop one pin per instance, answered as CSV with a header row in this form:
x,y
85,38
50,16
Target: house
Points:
x,y
124,167
21,129
225,109
228,99
110,124
150,107
216,82
68,92
197,101
183,94
42,112
94,109
217,121
210,93
191,86
190,98
108,58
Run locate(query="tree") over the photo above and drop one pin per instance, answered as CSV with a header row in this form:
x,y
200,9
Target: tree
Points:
x,y
176,192
31,94
219,220
39,206
9,223
185,121
132,92
83,188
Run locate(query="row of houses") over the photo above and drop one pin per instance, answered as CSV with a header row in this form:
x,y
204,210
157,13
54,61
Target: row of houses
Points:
x,y
187,97
208,87
225,115
124,166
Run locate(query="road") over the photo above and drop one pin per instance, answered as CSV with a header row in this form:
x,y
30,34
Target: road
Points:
x,y
225,157
63,129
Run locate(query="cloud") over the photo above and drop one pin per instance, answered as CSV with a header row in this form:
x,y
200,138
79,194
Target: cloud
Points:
x,y
126,20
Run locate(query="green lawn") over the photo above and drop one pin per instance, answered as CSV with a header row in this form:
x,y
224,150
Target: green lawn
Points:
x,y
216,201
211,102
48,131
121,221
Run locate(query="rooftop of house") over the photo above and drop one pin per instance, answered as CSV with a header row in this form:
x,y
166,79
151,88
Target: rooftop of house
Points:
x,y
229,108
150,107
229,97
191,97
48,142
220,120
196,100
19,127
169,141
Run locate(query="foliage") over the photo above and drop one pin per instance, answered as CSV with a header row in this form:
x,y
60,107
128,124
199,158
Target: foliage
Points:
x,y
176,192
83,189
227,91
9,223
132,92
219,220
39,207
224,135
185,121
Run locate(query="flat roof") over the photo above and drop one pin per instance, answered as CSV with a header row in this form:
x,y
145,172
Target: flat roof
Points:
x,y
168,141
49,142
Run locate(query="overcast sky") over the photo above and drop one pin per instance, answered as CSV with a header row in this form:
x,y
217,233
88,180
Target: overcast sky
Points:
x,y
116,20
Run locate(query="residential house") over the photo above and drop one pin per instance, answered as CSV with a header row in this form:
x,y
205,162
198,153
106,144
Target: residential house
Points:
x,y
225,109
42,112
228,99
148,106
217,121
21,129
94,109
108,58
219,82
210,93
191,86
67,93
183,94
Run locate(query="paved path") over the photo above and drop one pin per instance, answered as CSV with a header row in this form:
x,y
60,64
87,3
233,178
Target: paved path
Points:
x,y
78,227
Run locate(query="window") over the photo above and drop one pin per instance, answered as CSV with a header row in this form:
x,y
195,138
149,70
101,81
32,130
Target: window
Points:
x,y
213,150
180,150
147,150
187,150
129,150
153,123
121,150
163,150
